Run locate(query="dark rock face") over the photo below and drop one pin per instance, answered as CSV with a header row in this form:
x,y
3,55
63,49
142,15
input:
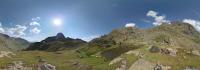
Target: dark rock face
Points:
x,y
60,36
55,43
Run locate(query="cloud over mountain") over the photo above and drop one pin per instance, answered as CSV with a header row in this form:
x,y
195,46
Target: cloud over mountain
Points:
x,y
194,23
130,25
17,31
35,30
158,20
21,30
1,28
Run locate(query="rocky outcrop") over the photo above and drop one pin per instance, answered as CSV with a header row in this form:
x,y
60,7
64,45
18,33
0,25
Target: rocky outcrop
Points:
x,y
190,68
123,65
6,54
169,51
116,60
43,65
196,52
143,64
79,66
17,65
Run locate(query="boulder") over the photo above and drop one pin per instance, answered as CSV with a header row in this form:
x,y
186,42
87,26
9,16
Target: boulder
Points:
x,y
190,68
123,65
43,65
142,64
196,52
17,65
169,51
116,60
154,49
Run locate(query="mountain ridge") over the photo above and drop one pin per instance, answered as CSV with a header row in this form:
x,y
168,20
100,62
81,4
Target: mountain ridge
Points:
x,y
55,43
11,43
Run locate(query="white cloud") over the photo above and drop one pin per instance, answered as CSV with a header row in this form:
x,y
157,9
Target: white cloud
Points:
x,y
152,13
89,38
36,19
34,23
35,30
194,23
130,25
158,20
1,28
34,26
18,31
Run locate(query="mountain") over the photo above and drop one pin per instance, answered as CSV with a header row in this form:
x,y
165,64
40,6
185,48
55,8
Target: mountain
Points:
x,y
173,46
8,43
55,43
176,35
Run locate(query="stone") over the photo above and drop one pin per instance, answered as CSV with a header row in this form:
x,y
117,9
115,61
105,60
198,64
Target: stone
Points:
x,y
136,53
196,52
142,64
6,54
172,51
43,65
123,65
154,49
116,60
157,67
17,65
169,51
190,68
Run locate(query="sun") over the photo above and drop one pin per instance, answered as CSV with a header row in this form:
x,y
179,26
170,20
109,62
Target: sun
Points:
x,y
57,22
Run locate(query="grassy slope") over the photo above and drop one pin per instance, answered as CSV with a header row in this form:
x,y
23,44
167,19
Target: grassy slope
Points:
x,y
61,61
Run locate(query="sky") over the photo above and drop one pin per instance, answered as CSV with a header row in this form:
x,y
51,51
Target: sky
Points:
x,y
35,20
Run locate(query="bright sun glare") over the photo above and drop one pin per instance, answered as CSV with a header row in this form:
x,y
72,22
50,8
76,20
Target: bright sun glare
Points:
x,y
57,22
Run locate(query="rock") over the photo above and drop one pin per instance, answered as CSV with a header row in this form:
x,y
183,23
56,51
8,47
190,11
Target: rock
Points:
x,y
157,67
154,49
43,65
142,64
161,67
136,53
169,51
116,60
172,51
190,68
84,67
17,65
123,65
6,54
165,51
196,52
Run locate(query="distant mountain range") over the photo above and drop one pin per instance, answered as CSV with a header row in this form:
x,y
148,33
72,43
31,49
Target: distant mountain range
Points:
x,y
55,43
174,46
8,43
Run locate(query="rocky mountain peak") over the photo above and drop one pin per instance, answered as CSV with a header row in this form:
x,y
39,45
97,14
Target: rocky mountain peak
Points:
x,y
60,36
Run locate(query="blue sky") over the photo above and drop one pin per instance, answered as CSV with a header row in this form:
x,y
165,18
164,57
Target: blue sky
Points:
x,y
87,19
